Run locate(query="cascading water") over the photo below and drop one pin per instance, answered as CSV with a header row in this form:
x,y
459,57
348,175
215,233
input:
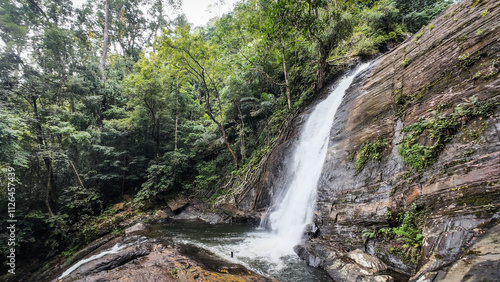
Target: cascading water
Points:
x,y
295,209
271,252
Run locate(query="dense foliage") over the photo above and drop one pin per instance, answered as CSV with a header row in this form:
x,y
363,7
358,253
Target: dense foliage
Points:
x,y
104,101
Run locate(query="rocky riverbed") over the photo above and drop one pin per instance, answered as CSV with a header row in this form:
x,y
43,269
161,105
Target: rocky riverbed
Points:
x,y
134,257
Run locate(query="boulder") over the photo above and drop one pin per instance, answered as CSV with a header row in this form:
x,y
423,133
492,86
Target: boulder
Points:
x,y
119,206
176,205
367,261
160,215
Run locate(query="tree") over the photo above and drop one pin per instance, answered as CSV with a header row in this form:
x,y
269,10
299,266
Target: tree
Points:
x,y
105,41
192,54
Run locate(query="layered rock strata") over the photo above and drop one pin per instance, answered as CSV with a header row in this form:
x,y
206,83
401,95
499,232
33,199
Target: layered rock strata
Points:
x,y
451,66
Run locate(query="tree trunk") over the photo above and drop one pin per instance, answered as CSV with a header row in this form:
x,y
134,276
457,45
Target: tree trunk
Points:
x,y
176,114
77,175
105,42
235,158
227,144
286,75
242,134
321,75
157,141
221,126
47,195
51,185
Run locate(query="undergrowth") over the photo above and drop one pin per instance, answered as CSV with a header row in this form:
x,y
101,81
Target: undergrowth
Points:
x,y
404,231
370,151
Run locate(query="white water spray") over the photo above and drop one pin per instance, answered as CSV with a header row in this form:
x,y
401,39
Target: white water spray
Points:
x,y
113,250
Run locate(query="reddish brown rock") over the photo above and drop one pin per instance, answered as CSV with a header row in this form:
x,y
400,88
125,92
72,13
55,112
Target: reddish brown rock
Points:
x,y
177,204
119,206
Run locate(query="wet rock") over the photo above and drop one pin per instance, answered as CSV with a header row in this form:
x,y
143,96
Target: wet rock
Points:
x,y
160,215
112,261
481,262
156,262
378,278
341,266
317,254
457,193
306,253
136,228
312,230
92,247
454,192
212,218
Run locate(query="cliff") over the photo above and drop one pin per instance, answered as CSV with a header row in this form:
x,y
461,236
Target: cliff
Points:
x,y
412,174
445,169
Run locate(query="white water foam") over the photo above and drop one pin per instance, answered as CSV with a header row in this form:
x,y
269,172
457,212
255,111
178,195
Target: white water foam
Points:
x,y
271,250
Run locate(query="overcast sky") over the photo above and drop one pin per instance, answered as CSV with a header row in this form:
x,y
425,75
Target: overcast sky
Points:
x,y
198,12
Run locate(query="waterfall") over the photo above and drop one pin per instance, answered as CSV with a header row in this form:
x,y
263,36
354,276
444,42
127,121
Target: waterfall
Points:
x,y
294,210
271,252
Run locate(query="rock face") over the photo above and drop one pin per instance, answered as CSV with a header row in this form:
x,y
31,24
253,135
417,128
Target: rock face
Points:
x,y
440,89
480,263
340,265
